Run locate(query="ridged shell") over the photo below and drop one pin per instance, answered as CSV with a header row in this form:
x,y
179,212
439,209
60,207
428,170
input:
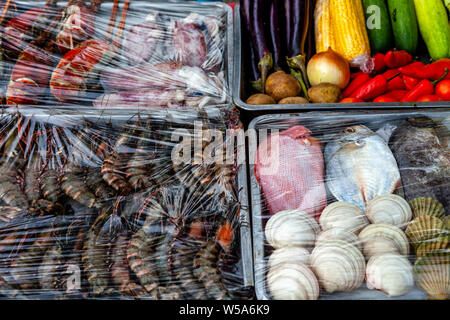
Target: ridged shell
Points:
x,y
338,234
343,215
427,206
293,281
446,221
389,208
424,228
291,228
383,238
440,243
338,265
390,273
433,274
288,255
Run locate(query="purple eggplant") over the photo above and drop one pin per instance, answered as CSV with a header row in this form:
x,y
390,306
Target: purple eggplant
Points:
x,y
298,12
246,14
255,81
253,12
275,33
310,40
297,60
287,26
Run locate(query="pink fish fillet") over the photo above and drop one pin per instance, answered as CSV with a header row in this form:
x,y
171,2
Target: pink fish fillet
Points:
x,y
290,170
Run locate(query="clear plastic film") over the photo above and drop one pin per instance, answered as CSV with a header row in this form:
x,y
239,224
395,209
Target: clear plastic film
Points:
x,y
123,207
351,205
115,54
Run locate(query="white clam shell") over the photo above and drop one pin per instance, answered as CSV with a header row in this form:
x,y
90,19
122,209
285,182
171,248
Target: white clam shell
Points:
x,y
338,234
343,215
288,255
389,208
390,273
293,281
383,238
339,265
291,228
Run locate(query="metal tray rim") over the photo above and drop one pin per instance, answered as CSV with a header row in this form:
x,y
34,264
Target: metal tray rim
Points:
x,y
242,181
238,85
255,190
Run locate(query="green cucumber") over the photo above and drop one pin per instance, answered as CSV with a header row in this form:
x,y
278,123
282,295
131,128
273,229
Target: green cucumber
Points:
x,y
433,25
404,24
378,25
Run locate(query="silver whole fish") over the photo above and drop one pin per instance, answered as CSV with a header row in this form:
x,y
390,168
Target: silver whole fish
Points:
x,y
360,166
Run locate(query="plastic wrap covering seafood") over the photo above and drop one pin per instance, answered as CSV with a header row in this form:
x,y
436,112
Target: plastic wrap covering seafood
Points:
x,y
351,205
115,54
123,207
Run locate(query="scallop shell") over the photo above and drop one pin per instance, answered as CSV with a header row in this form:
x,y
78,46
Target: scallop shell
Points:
x,y
338,265
288,255
440,243
338,234
433,274
389,208
293,281
427,206
291,228
424,228
383,238
343,215
446,221
390,273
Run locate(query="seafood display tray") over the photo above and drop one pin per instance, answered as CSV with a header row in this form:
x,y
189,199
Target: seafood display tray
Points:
x,y
136,14
60,115
328,123
242,178
240,89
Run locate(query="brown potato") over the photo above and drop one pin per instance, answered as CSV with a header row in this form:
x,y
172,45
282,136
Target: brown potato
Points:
x,y
260,98
325,93
280,85
293,100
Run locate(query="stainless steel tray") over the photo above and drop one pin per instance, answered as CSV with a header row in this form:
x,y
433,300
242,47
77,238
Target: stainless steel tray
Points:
x,y
241,88
331,122
137,12
60,115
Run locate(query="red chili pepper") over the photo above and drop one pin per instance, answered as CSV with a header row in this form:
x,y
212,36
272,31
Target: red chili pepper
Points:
x,y
396,84
395,59
355,84
431,71
410,82
429,97
397,94
385,98
356,74
371,89
378,60
390,73
424,87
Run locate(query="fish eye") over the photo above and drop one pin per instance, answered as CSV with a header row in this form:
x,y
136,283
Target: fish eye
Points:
x,y
359,143
349,130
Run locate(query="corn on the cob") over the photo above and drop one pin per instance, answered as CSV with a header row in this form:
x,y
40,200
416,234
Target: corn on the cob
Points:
x,y
347,18
323,28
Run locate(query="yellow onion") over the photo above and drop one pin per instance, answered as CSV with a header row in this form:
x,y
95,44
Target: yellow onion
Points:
x,y
328,67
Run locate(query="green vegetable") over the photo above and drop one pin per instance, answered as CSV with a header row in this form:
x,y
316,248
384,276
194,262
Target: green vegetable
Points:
x,y
404,24
378,25
433,24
